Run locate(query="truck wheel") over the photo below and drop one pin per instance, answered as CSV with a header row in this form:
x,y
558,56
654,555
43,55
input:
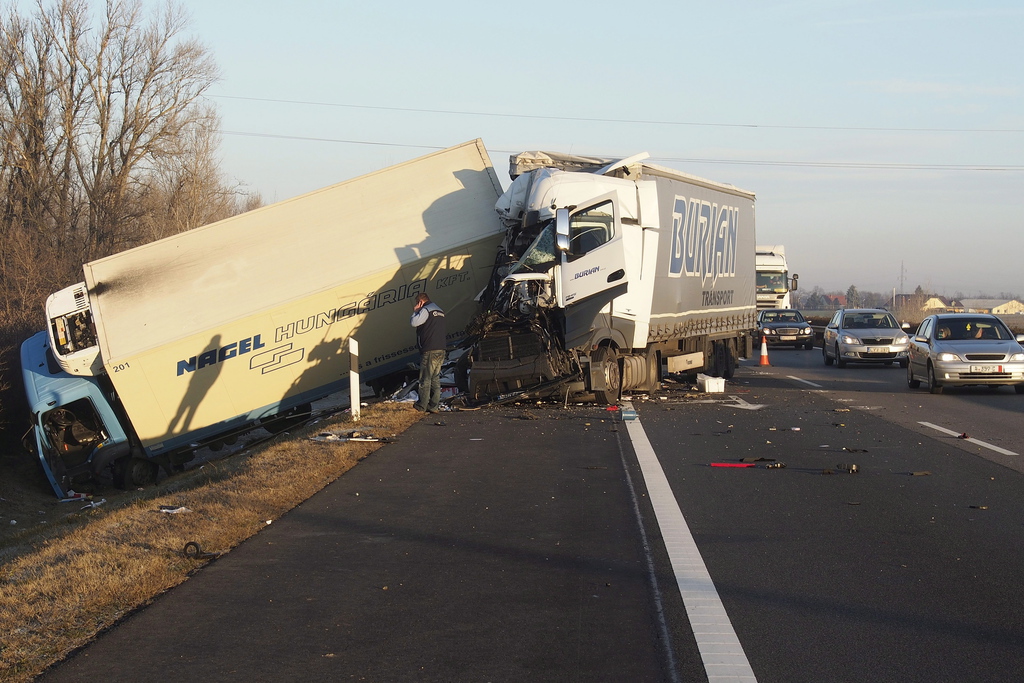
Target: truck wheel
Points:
x,y
607,363
132,473
654,372
728,360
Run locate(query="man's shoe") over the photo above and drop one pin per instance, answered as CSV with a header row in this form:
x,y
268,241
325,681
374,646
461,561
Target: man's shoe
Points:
x,y
433,410
420,408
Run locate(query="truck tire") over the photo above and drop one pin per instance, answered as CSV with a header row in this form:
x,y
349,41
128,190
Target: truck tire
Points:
x,y
607,363
653,371
729,366
130,473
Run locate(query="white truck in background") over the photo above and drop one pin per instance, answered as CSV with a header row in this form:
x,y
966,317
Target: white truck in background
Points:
x,y
610,269
192,339
774,282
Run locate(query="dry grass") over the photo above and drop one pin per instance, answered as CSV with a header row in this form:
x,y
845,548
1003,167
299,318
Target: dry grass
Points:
x,y
94,570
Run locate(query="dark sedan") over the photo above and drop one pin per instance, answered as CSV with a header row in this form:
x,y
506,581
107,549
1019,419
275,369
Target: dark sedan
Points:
x,y
784,327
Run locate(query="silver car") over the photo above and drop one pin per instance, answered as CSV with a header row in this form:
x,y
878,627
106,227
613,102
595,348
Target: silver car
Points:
x,y
864,335
959,349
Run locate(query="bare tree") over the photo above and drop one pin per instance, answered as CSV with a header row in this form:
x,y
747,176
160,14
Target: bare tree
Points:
x,y
107,143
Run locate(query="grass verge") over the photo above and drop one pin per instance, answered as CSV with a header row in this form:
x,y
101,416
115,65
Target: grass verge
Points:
x,y
100,565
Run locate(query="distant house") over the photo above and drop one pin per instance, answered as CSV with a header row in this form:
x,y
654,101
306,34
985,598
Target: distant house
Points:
x,y
940,304
927,303
831,301
993,306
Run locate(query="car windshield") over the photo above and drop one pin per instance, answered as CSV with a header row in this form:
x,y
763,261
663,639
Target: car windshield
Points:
x,y
971,328
867,321
782,317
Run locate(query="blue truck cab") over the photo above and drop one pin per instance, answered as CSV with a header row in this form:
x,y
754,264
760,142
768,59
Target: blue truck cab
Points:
x,y
76,430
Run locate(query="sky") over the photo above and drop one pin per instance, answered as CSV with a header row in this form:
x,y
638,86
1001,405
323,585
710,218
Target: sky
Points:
x,y
884,140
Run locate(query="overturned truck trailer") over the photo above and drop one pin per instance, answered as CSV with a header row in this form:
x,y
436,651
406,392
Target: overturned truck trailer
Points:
x,y
612,272
187,341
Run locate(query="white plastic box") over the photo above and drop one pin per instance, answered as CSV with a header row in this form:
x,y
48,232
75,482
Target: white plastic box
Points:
x,y
711,385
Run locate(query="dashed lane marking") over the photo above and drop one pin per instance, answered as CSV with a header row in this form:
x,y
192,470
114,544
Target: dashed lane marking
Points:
x,y
989,446
720,649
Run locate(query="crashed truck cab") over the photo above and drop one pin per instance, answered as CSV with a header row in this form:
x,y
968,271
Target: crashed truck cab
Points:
x,y
75,430
566,262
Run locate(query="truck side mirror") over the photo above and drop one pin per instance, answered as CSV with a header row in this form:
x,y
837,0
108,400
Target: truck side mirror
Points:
x,y
792,283
562,229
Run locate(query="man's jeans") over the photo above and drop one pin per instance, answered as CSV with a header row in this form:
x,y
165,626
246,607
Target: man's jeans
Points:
x,y
430,379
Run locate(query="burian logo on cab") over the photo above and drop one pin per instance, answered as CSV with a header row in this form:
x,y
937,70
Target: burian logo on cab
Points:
x,y
585,273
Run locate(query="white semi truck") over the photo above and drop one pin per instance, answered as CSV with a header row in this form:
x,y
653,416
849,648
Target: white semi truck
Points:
x,y
193,339
610,270
774,282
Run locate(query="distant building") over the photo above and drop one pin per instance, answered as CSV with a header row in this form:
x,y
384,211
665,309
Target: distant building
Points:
x,y
993,306
940,304
926,303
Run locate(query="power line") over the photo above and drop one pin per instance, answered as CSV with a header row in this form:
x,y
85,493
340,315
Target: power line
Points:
x,y
876,129
731,162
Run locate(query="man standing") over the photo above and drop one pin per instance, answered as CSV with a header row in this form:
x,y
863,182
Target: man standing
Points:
x,y
428,319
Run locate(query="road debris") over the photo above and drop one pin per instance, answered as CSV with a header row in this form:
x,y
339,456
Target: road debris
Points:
x,y
979,507
923,473
346,435
732,464
852,469
194,551
173,509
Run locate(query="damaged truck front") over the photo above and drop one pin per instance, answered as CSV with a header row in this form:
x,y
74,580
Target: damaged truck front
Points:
x,y
188,341
612,272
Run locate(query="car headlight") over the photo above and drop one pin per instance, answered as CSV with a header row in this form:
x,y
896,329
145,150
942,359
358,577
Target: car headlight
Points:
x,y
849,339
806,330
768,331
947,357
902,339
1017,356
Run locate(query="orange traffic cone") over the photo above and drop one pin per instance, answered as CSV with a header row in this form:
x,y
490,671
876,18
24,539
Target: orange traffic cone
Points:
x,y
764,351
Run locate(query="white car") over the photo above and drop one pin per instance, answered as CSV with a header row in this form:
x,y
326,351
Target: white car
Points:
x,y
864,335
961,349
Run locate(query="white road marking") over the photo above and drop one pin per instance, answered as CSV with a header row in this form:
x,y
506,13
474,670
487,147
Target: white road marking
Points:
x,y
989,446
720,649
797,379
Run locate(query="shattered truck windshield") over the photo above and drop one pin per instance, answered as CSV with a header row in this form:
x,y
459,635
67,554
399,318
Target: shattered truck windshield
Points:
x,y
540,256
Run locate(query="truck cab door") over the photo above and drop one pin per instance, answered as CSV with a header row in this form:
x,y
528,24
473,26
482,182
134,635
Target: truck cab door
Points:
x,y
593,261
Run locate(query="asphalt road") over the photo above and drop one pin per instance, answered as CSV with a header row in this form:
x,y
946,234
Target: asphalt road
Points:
x,y
524,544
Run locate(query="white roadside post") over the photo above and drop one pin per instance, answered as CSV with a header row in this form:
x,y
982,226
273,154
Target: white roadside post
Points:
x,y
353,377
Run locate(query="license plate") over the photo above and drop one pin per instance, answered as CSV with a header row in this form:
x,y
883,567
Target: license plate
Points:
x,y
878,349
787,338
982,369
